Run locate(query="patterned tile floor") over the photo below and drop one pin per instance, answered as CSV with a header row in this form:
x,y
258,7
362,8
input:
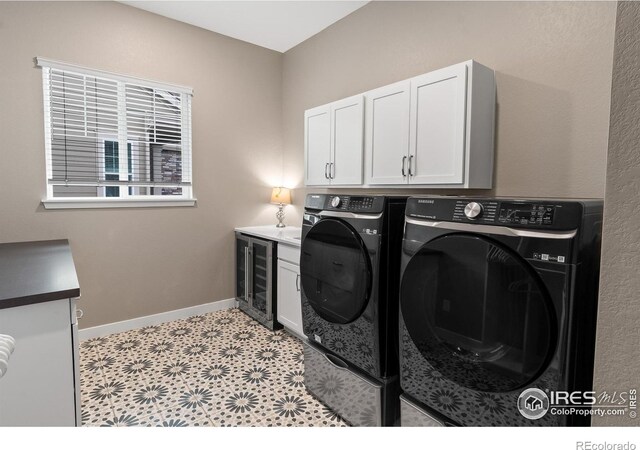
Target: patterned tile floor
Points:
x,y
219,369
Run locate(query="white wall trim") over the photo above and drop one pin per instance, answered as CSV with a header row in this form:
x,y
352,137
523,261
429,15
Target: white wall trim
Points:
x,y
155,319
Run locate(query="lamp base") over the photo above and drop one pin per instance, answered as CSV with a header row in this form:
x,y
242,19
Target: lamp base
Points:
x,y
280,216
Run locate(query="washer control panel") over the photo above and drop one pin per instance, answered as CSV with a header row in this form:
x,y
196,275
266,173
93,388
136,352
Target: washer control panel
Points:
x,y
351,203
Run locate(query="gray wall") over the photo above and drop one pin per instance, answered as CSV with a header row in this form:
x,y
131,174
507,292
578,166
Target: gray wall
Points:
x,y
618,340
553,74
135,262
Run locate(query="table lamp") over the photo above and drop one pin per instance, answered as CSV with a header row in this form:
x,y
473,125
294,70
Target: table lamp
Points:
x,y
280,196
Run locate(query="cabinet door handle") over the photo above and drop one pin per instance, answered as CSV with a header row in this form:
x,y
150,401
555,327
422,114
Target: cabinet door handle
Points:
x,y
404,161
298,282
250,275
246,273
326,169
410,165
332,170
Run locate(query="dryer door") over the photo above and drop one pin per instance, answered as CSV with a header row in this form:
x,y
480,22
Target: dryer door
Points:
x,y
478,313
335,271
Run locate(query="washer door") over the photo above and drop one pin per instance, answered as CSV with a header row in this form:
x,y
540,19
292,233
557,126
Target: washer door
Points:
x,y
478,313
335,271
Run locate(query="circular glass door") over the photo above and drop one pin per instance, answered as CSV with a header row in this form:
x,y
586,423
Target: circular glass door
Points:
x,y
478,313
335,271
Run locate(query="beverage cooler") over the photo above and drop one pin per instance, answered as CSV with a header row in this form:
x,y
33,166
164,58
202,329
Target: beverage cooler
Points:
x,y
256,279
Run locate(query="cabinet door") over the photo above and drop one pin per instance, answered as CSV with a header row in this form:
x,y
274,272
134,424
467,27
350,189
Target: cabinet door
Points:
x,y
346,141
75,344
438,111
243,269
387,140
260,294
289,302
38,388
317,145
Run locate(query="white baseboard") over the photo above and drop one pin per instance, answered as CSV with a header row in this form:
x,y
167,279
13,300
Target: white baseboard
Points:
x,y
155,319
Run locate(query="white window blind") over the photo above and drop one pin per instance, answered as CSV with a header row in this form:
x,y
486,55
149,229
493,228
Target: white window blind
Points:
x,y
110,135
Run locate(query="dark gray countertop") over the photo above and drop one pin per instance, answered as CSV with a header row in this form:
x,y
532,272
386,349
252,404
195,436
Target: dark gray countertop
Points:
x,y
35,272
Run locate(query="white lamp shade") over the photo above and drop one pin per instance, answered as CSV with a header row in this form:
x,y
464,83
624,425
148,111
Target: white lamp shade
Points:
x,y
281,195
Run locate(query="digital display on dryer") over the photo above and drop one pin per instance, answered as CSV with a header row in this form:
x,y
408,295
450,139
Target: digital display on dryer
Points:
x,y
526,214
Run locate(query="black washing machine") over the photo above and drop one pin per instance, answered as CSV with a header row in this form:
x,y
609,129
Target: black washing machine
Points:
x,y
349,263
497,296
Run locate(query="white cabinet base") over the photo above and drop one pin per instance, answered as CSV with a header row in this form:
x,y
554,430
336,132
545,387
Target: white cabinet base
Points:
x,y
289,290
39,386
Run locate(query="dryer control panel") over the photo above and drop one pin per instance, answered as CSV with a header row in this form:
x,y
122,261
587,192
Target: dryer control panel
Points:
x,y
519,213
526,213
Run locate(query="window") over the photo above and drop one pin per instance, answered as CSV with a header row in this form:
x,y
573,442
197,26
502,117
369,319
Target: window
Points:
x,y
113,140
112,168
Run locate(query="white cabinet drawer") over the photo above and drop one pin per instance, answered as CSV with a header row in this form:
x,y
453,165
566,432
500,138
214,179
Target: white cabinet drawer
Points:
x,y
289,253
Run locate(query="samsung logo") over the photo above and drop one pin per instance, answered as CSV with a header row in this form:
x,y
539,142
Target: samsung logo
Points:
x,y
426,201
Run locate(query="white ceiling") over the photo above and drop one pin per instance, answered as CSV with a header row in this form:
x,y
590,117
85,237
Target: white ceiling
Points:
x,y
278,25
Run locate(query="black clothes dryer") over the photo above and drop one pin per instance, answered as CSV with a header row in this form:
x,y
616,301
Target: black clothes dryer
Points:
x,y
497,296
349,276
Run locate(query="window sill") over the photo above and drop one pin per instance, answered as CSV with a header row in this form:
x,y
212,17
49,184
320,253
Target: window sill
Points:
x,y
87,203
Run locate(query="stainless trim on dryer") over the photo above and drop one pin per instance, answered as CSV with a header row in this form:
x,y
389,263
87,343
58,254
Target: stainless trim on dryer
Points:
x,y
349,215
492,229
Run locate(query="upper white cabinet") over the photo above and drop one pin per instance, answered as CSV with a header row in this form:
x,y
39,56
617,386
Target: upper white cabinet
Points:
x,y
437,127
387,134
333,143
317,144
435,130
346,141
